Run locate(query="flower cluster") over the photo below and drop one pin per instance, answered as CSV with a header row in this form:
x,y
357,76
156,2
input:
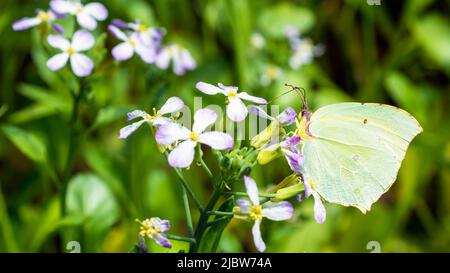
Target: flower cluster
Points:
x,y
135,37
303,49
271,142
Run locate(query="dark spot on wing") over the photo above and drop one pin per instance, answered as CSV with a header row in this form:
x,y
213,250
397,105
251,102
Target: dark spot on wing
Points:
x,y
365,121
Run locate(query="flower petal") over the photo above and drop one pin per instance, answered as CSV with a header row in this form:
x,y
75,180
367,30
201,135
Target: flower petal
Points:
x,y
278,211
136,113
82,40
171,132
58,61
82,66
163,58
86,20
244,205
62,6
202,119
162,240
123,51
319,209
119,23
228,88
217,140
161,121
236,109
287,117
252,190
246,96
260,112
183,155
172,105
96,10
147,54
257,239
119,34
58,41
26,23
209,89
163,225
128,130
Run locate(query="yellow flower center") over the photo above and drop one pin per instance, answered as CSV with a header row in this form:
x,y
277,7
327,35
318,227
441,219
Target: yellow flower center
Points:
x,y
78,10
132,42
142,28
232,94
70,51
194,136
256,212
312,184
44,16
148,229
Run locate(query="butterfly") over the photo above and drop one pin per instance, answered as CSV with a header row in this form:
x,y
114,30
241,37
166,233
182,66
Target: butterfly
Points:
x,y
353,151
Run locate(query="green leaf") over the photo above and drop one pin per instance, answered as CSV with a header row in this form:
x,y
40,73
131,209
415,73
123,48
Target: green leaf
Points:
x,y
211,237
110,114
274,19
432,32
88,198
28,143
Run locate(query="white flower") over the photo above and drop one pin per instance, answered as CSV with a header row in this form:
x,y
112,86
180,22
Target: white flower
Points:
x,y
181,58
130,45
81,65
172,105
87,15
236,109
255,212
186,140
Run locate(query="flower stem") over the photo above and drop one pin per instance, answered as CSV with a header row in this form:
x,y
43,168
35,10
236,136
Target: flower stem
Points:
x,y
189,190
187,211
269,195
219,213
180,238
218,220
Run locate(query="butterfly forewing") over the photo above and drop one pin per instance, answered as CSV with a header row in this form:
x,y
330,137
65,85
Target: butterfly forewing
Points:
x,y
356,151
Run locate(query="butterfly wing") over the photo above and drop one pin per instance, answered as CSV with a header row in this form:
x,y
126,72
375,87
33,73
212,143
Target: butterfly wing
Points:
x,y
356,150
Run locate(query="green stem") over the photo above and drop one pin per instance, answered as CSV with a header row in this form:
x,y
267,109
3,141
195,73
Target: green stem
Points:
x,y
202,163
219,213
180,238
6,228
203,221
72,144
187,211
269,195
218,220
189,190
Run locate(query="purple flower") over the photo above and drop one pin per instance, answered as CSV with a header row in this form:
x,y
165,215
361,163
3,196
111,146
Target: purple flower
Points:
x,y
186,140
172,105
236,109
319,209
255,212
41,17
182,60
286,118
293,156
131,45
154,229
81,65
87,15
149,36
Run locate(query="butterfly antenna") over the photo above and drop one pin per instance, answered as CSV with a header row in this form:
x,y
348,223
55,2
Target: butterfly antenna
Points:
x,y
301,91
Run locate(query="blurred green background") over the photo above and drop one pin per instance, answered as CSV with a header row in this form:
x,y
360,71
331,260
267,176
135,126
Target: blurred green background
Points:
x,y
396,53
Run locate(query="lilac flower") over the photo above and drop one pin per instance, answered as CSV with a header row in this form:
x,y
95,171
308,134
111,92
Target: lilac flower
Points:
x,y
186,140
181,58
41,17
87,15
304,52
255,212
149,36
131,45
154,229
236,109
81,65
295,160
172,105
